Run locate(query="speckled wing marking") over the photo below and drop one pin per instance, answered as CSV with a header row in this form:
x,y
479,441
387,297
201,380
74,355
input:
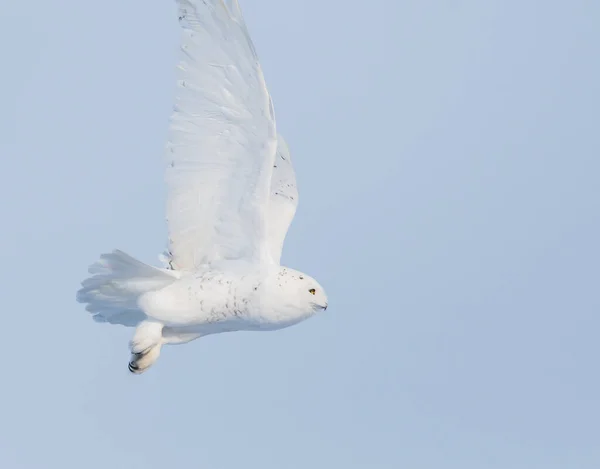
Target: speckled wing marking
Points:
x,y
283,200
222,141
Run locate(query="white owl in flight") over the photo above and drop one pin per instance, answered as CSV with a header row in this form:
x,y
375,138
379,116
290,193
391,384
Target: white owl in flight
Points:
x,y
231,198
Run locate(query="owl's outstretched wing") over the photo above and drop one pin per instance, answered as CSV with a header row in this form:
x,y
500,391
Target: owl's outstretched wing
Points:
x,y
222,142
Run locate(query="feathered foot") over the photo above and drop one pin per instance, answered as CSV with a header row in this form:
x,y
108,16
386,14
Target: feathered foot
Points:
x,y
141,361
145,346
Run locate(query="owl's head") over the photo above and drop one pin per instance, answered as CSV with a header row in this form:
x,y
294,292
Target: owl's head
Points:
x,y
297,293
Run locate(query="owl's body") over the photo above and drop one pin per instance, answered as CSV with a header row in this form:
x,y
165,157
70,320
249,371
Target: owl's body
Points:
x,y
175,307
234,295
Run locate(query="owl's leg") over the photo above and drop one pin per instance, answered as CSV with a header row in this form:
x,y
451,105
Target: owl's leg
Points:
x,y
145,346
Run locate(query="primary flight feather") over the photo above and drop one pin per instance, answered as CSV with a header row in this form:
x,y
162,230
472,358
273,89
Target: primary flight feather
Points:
x,y
231,198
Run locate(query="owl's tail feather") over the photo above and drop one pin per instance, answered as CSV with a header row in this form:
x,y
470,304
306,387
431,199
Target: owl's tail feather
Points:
x,y
116,283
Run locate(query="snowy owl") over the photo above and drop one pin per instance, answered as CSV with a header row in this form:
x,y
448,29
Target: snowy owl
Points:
x,y
231,198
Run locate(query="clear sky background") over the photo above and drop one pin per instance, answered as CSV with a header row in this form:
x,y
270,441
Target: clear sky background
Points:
x,y
448,160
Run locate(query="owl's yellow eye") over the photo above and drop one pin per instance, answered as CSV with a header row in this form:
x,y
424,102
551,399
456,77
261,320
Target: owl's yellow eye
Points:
x,y
312,291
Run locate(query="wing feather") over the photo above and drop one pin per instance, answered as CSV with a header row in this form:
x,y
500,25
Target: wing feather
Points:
x,y
284,199
222,141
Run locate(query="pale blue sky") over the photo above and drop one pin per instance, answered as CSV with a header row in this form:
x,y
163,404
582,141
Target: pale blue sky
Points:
x,y
447,154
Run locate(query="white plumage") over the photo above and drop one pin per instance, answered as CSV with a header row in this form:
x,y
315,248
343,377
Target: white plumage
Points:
x,y
231,198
